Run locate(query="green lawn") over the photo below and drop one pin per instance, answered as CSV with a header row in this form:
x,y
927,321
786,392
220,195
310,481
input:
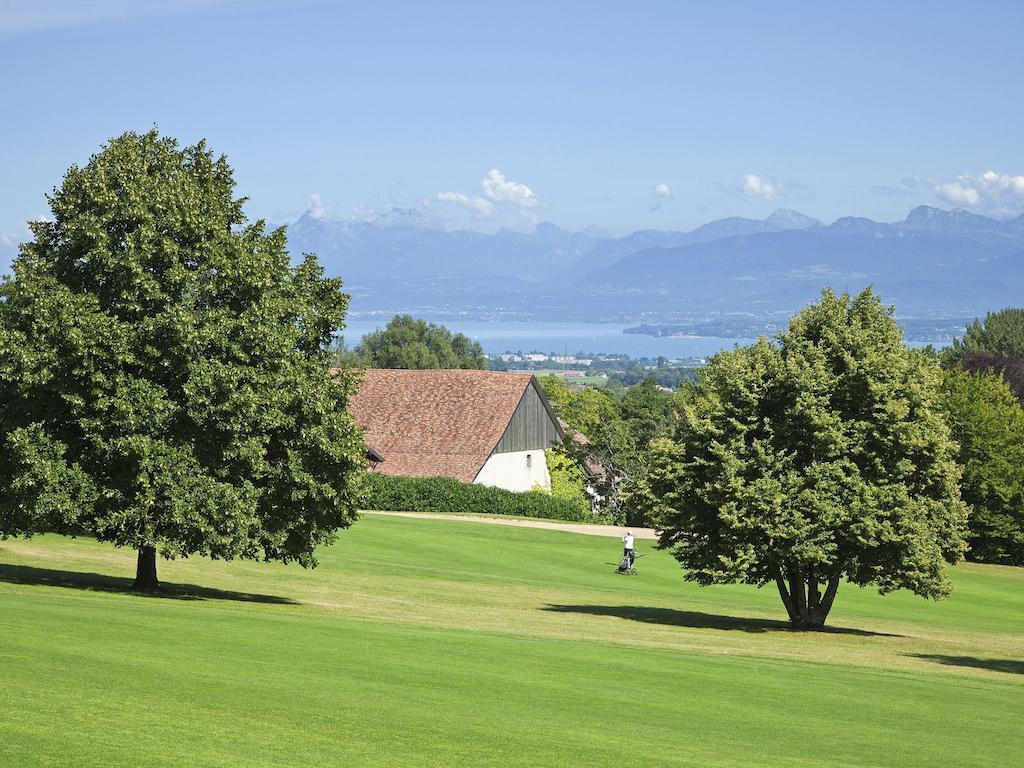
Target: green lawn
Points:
x,y
437,643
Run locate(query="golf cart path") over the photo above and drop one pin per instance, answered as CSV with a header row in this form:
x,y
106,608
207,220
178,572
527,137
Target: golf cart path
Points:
x,y
589,529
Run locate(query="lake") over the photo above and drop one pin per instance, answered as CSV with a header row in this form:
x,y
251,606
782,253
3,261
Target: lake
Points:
x,y
501,336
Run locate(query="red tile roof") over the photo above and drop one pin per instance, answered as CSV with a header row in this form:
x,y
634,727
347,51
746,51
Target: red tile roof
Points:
x,y
428,423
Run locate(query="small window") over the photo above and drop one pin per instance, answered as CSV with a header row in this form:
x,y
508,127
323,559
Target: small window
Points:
x,y
529,460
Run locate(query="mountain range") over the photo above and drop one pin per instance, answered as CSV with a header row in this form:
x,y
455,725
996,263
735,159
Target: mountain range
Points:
x,y
933,263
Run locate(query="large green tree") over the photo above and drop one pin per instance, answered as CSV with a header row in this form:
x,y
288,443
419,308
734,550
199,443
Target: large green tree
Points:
x,y
416,344
987,422
821,456
164,370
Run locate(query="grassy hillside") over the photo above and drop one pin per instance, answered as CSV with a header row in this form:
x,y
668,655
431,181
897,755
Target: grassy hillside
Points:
x,y
435,643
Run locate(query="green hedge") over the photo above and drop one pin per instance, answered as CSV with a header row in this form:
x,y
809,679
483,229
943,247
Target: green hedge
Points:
x,y
446,495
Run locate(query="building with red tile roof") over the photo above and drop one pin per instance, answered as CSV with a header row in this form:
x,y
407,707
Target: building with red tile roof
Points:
x,y
483,427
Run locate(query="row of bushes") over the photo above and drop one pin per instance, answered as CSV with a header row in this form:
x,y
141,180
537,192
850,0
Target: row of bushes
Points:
x,y
446,495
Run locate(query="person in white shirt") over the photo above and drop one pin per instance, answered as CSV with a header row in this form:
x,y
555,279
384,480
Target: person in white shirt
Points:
x,y
627,544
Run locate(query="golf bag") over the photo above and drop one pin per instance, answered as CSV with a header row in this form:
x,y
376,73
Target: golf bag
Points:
x,y
628,559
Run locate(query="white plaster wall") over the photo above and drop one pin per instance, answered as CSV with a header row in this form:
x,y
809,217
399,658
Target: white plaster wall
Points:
x,y
510,471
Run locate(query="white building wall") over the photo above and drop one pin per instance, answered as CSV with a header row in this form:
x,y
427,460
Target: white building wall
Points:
x,y
516,471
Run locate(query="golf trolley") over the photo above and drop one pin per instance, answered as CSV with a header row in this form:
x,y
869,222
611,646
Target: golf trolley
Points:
x,y
628,563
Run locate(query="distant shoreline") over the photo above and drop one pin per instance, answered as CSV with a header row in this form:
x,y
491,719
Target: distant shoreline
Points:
x,y
917,332
497,337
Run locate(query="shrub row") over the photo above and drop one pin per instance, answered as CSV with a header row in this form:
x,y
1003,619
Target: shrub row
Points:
x,y
447,495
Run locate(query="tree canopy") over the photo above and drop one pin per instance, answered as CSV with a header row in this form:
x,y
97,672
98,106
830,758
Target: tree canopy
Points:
x,y
1010,368
1000,332
820,456
610,436
164,372
651,412
409,343
987,422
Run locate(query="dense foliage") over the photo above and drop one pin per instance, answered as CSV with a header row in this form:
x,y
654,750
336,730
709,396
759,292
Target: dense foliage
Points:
x,y
164,383
597,441
1000,332
649,411
596,414
822,456
987,422
662,373
568,479
409,343
608,436
1010,368
447,495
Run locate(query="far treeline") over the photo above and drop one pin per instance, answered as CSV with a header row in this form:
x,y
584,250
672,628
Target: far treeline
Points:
x,y
167,384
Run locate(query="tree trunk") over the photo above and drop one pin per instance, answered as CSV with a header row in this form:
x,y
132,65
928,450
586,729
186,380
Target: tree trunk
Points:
x,y
830,596
145,571
813,593
798,593
787,599
806,605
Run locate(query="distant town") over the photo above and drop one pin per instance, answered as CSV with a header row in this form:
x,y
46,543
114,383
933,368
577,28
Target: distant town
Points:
x,y
611,370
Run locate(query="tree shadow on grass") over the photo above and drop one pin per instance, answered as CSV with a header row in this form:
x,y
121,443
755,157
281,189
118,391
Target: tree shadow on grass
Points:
x,y
699,620
98,582
1011,666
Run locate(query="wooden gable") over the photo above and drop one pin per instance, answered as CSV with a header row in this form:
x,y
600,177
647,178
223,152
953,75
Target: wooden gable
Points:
x,y
533,425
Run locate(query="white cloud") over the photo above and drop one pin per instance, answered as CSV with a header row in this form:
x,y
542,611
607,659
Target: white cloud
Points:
x,y
765,188
997,194
662,190
478,205
501,190
955,192
500,195
762,187
315,206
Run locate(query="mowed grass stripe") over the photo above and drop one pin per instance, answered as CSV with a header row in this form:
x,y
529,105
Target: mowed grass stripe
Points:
x,y
104,678
351,684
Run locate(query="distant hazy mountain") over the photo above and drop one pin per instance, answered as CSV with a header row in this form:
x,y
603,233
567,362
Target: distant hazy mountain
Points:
x,y
961,223
360,251
926,219
780,221
926,263
610,251
858,225
931,263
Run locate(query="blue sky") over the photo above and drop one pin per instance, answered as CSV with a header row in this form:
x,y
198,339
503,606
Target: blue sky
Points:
x,y
622,115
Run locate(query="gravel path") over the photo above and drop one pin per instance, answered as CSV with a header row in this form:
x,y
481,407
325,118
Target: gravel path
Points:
x,y
585,528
